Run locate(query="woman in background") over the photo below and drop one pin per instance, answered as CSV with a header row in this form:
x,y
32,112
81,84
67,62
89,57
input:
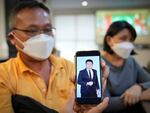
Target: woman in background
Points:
x,y
127,81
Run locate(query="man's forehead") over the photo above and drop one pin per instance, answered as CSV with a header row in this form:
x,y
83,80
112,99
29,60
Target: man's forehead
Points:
x,y
88,62
34,16
35,9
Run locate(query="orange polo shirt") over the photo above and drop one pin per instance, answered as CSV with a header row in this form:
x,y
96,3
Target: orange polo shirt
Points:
x,y
17,78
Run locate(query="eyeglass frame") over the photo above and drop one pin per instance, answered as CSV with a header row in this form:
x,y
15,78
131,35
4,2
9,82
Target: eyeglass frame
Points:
x,y
34,32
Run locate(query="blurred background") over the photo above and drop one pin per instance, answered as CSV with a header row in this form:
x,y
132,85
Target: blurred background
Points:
x,y
81,25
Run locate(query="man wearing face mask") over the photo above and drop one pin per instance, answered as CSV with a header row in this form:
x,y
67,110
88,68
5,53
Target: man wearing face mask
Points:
x,y
35,74
127,81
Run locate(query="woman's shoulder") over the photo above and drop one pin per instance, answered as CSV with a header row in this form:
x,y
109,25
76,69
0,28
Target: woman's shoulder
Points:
x,y
131,60
132,63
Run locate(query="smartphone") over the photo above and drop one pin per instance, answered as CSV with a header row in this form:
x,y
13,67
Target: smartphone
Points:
x,y
88,77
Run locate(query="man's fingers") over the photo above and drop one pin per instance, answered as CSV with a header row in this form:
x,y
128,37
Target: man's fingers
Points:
x,y
104,104
105,69
104,85
123,95
105,75
100,108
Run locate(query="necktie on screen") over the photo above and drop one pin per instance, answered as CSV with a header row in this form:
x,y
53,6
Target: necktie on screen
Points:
x,y
90,74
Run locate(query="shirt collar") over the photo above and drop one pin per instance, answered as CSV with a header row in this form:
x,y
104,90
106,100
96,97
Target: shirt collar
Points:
x,y
22,66
55,61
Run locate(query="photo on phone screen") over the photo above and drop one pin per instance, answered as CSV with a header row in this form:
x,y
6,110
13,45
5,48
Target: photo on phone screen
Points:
x,y
88,78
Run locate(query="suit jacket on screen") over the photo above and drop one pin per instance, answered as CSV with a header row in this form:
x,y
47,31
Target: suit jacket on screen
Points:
x,y
86,90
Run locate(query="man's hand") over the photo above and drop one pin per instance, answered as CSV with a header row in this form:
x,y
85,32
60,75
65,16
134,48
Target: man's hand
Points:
x,y
100,107
105,73
89,83
132,95
83,108
71,107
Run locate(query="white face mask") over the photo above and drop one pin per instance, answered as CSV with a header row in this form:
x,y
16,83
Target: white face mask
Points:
x,y
38,47
123,49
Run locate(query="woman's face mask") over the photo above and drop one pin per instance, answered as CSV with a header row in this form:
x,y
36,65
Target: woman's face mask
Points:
x,y
123,49
38,47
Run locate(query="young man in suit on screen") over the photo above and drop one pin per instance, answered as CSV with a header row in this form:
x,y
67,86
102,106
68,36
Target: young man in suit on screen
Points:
x,y
88,80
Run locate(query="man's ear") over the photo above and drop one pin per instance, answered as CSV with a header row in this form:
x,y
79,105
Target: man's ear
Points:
x,y
11,38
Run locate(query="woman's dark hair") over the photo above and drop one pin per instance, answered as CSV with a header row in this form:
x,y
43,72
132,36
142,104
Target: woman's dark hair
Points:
x,y
23,4
114,29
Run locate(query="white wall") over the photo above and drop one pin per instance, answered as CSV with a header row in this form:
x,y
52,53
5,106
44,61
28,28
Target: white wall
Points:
x,y
74,32
3,44
143,56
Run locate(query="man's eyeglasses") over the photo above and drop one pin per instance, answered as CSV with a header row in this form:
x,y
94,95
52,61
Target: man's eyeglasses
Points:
x,y
33,32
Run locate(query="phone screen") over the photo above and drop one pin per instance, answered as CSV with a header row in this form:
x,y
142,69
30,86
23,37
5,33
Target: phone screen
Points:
x,y
88,77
